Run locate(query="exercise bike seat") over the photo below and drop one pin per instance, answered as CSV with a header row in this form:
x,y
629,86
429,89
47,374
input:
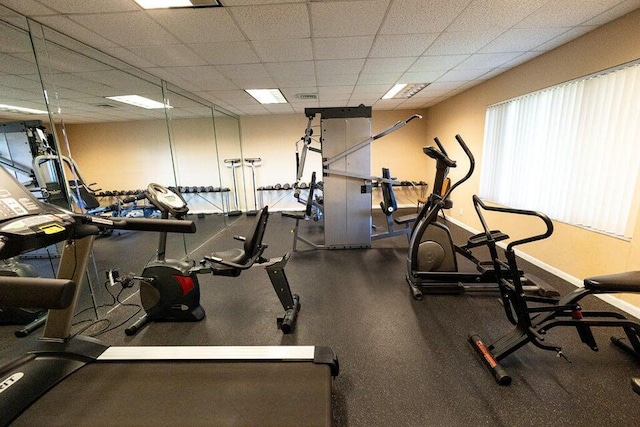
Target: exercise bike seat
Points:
x,y
231,262
620,282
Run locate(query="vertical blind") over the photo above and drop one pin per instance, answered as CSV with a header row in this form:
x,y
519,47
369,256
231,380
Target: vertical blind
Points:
x,y
571,151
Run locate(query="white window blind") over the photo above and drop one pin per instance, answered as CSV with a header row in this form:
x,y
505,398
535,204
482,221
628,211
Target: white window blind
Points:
x,y
571,151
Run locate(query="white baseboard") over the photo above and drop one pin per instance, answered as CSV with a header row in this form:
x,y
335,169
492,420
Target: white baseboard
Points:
x,y
627,307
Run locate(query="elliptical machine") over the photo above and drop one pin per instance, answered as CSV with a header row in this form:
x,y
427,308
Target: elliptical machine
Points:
x,y
433,259
169,288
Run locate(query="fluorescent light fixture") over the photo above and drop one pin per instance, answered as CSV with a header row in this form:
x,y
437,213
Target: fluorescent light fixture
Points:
x,y
139,101
267,96
166,4
163,4
14,109
404,90
394,90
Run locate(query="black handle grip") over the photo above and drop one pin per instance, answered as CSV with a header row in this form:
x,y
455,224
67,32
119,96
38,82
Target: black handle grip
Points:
x,y
143,224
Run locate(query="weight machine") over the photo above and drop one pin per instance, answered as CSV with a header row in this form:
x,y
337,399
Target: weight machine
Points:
x,y
346,166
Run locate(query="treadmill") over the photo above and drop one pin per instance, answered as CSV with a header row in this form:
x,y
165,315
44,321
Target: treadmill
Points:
x,y
60,379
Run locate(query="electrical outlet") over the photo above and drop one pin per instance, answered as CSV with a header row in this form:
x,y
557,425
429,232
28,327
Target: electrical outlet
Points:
x,y
461,211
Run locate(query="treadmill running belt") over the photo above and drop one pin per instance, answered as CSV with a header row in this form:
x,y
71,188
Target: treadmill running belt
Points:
x,y
187,394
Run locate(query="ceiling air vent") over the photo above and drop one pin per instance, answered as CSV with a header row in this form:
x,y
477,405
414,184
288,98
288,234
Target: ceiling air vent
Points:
x,y
307,96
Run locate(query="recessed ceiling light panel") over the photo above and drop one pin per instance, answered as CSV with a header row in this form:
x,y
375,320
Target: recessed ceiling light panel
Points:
x,y
404,90
139,101
267,96
14,109
167,4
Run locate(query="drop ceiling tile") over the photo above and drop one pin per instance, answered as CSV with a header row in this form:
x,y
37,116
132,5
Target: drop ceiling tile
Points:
x,y
363,99
19,94
563,38
342,47
437,63
284,50
378,78
294,81
487,60
615,12
291,93
388,104
91,6
75,30
68,61
28,7
566,13
337,80
527,56
200,73
242,70
387,65
254,110
226,53
127,29
462,75
400,45
12,64
232,96
335,97
19,82
347,66
12,41
441,87
331,104
202,25
286,69
217,85
14,19
374,90
501,14
127,56
457,43
167,55
419,16
522,39
335,90
336,19
279,108
420,76
267,22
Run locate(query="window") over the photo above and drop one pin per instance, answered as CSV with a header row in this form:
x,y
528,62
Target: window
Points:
x,y
571,151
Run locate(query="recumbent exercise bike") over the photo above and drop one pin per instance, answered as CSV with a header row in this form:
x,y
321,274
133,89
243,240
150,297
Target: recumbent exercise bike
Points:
x,y
169,288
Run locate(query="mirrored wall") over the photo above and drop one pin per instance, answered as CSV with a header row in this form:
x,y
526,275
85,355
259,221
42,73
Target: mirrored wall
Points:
x,y
68,133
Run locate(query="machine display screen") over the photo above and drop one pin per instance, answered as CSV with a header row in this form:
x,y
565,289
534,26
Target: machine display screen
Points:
x,y
15,200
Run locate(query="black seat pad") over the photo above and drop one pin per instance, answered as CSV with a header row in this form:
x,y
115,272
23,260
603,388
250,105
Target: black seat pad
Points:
x,y
619,282
235,255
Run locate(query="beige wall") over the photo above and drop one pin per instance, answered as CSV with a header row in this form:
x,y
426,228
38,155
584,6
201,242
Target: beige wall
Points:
x,y
573,250
122,155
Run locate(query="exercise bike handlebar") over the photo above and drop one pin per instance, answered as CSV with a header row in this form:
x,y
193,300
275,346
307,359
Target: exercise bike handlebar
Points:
x,y
478,203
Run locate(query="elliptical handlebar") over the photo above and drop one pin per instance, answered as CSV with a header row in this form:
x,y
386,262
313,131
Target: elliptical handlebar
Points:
x,y
440,146
478,203
472,166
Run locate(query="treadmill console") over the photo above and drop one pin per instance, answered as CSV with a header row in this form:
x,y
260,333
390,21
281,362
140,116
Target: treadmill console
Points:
x,y
26,223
